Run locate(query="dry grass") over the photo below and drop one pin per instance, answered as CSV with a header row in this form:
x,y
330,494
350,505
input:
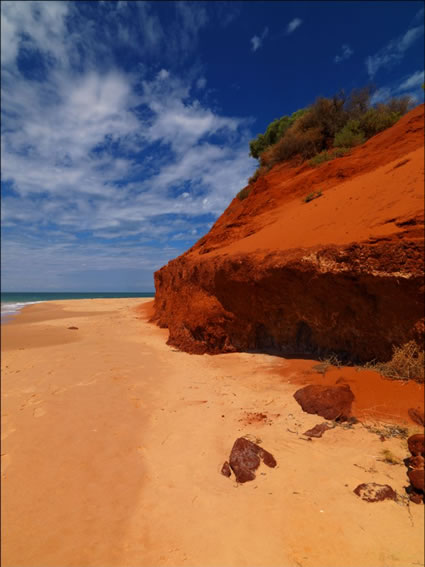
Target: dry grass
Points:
x,y
388,430
325,363
407,363
390,458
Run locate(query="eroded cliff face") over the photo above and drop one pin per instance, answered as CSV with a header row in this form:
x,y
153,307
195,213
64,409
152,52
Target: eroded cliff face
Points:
x,y
342,273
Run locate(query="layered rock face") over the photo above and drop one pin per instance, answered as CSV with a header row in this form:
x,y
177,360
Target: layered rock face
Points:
x,y
342,273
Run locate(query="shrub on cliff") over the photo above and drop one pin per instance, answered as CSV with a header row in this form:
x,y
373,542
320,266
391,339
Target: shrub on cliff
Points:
x,y
327,156
257,173
327,115
243,194
312,196
377,119
305,143
339,122
358,102
273,133
350,135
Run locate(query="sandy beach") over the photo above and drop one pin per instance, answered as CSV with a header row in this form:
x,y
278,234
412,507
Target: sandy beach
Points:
x,y
113,442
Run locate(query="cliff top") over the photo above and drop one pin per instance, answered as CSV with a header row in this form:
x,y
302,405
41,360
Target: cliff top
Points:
x,y
372,192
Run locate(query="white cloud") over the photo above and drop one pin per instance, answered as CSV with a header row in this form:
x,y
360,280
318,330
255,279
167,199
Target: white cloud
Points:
x,y
201,83
163,74
414,81
47,147
150,27
293,25
190,19
408,86
394,51
63,149
68,265
257,41
32,24
94,150
346,53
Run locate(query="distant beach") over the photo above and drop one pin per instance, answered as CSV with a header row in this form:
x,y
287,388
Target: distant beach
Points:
x,y
13,302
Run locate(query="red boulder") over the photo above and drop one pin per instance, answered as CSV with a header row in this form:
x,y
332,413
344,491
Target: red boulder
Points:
x,y
416,444
416,477
331,402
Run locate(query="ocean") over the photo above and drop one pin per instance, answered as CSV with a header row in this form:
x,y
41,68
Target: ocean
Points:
x,y
12,302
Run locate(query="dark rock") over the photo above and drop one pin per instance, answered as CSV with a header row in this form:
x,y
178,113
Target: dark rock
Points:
x,y
416,477
245,458
318,430
416,497
416,444
415,466
330,402
417,415
372,492
225,469
417,462
73,328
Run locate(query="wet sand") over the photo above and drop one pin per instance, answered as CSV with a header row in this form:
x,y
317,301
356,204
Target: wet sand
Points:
x,y
112,445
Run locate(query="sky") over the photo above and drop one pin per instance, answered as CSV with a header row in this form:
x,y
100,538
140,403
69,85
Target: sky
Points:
x,y
126,125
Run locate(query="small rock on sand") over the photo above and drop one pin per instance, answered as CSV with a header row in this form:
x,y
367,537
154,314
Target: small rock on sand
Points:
x,y
245,458
373,492
318,430
225,469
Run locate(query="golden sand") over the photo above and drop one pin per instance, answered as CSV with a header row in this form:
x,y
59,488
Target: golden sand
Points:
x,y
112,445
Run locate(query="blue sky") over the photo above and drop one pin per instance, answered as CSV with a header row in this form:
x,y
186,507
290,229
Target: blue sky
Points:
x,y
125,125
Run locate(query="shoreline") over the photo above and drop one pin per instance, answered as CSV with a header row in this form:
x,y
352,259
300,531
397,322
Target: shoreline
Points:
x,y
18,303
116,441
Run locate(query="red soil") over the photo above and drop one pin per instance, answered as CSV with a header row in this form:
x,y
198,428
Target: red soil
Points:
x,y
375,398
342,273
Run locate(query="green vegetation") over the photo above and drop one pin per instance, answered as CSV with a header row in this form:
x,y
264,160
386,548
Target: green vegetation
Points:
x,y
327,156
340,122
257,173
274,132
377,119
243,194
311,196
350,135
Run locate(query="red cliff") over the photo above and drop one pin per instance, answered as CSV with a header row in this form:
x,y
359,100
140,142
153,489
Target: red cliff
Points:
x,y
342,273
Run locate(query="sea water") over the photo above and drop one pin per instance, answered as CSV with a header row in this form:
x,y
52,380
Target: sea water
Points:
x,y
12,303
